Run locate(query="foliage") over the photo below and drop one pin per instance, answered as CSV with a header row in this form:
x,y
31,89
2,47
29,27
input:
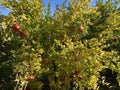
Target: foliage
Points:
x,y
67,50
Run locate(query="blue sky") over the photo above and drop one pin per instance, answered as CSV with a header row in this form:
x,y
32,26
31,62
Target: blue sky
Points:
x,y
53,6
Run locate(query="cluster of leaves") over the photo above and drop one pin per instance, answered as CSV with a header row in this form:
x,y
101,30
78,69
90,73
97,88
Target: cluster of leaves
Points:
x,y
67,50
